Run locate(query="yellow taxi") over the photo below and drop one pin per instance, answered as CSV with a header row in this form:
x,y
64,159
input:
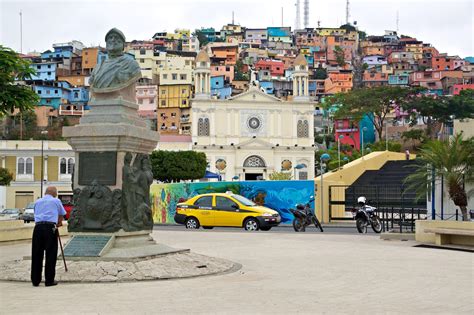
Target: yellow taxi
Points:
x,y
225,209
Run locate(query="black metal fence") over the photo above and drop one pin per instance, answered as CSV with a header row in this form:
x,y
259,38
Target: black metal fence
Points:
x,y
397,209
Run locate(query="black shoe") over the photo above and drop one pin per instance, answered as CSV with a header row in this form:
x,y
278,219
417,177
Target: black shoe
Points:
x,y
51,284
35,284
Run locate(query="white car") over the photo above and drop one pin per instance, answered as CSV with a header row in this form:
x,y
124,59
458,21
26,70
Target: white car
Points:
x,y
10,214
29,213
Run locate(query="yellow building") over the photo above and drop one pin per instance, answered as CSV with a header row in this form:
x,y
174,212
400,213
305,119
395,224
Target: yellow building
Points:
x,y
174,95
23,160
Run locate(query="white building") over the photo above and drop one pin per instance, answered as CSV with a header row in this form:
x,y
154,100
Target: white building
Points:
x,y
253,134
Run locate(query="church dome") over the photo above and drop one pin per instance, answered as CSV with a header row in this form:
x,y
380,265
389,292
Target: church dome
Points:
x,y
203,56
301,61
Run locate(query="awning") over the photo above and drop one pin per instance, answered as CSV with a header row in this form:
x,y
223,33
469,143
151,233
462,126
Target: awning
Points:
x,y
212,175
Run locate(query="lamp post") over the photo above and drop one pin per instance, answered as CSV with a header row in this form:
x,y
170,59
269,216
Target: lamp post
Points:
x,y
324,157
386,136
44,132
298,167
363,129
339,149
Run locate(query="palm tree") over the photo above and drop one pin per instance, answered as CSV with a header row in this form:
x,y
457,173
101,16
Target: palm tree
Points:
x,y
452,160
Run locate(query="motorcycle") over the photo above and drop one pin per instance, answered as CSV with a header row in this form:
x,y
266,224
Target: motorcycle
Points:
x,y
304,217
366,215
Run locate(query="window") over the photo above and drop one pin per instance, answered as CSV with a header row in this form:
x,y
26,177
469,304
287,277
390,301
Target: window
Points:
x,y
174,76
223,203
183,91
173,114
183,102
203,127
158,62
163,92
165,76
204,202
39,91
182,77
302,129
142,51
163,103
24,166
55,91
142,60
49,66
186,62
254,161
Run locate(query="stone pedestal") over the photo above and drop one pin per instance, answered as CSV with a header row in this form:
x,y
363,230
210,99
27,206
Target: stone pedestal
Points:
x,y
112,172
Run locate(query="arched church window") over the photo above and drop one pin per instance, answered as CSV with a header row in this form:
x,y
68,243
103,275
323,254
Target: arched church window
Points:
x,y
254,161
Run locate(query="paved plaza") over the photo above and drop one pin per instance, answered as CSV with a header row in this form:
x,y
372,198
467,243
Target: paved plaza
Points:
x,y
281,273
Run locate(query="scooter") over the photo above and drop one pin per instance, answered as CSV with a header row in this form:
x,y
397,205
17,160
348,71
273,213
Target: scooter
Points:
x,y
366,215
304,217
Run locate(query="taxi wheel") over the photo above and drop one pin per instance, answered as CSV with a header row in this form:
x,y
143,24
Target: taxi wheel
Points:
x,y
192,223
251,224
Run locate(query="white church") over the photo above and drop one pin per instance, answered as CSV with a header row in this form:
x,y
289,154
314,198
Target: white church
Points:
x,y
253,134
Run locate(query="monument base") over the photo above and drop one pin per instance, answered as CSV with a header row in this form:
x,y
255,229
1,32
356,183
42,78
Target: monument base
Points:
x,y
118,246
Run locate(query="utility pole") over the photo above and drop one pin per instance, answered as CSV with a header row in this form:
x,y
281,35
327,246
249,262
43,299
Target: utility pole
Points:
x,y
281,16
397,22
21,32
233,18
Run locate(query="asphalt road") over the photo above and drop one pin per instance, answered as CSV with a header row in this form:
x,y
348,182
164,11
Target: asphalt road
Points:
x,y
328,229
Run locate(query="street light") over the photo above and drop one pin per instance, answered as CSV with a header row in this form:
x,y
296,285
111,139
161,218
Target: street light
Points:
x,y
339,149
44,132
363,129
298,167
324,157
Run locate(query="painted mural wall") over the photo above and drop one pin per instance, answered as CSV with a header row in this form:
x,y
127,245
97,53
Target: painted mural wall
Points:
x,y
277,195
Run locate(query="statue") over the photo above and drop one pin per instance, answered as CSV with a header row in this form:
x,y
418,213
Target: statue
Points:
x,y
118,71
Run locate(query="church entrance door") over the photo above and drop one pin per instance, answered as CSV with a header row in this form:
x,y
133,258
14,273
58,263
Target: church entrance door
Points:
x,y
253,176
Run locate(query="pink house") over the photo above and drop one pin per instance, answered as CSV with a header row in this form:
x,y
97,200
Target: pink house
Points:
x,y
457,88
226,71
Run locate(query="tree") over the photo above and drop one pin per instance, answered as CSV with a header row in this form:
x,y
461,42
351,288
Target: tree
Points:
x,y
239,74
379,101
5,177
170,166
201,37
451,160
320,73
280,176
12,94
438,110
415,136
339,53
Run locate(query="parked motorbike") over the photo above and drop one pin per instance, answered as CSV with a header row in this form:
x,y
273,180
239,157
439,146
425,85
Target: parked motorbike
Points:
x,y
304,217
366,215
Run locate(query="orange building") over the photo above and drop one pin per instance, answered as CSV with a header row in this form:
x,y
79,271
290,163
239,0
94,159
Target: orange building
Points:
x,y
89,59
446,62
225,53
338,82
74,80
372,78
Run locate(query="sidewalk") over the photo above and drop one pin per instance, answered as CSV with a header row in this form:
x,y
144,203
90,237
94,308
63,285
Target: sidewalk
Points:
x,y
282,273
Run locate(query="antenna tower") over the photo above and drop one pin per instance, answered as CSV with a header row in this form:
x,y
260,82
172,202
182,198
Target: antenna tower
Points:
x,y
347,12
298,15
306,13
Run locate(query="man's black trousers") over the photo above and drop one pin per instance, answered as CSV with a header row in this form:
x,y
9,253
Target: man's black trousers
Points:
x,y
44,239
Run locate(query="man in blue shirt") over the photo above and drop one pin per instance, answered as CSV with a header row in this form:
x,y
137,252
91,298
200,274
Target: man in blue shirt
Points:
x,y
49,213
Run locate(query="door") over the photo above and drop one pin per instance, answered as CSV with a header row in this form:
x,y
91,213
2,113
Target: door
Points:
x,y
205,211
227,212
253,176
22,199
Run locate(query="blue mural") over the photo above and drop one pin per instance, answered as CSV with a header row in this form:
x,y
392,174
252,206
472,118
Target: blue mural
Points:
x,y
277,195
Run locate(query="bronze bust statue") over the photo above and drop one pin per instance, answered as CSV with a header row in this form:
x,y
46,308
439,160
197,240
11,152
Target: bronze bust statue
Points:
x,y
118,71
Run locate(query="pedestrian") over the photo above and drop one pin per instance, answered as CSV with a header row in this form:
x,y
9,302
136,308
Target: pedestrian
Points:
x,y
407,154
49,213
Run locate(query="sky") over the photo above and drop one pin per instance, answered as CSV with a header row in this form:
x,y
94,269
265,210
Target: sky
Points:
x,y
448,25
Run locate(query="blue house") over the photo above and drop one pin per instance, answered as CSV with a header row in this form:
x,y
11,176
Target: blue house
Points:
x,y
267,86
79,95
45,71
398,79
219,89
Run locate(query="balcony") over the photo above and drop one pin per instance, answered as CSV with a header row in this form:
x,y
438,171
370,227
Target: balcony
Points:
x,y
71,110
